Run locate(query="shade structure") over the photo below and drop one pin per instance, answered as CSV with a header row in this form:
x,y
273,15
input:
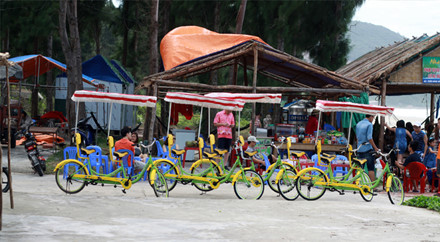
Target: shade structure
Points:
x,y
35,65
204,101
332,106
248,97
108,97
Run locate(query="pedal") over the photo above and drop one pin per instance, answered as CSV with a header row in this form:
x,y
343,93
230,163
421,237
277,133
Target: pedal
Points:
x,y
115,186
203,193
341,193
123,190
102,184
374,194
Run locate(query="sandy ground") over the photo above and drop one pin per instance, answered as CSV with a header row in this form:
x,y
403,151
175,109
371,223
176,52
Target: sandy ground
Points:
x,y
44,213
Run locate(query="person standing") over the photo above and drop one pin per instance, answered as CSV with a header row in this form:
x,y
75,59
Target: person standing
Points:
x,y
364,134
224,121
421,138
400,142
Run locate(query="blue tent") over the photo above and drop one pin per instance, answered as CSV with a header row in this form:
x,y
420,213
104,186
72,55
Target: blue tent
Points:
x,y
100,68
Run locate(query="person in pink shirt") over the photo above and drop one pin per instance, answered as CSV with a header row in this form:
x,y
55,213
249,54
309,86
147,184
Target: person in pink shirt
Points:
x,y
224,121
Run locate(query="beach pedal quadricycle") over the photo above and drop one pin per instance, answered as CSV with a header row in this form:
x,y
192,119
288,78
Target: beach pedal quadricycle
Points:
x,y
72,175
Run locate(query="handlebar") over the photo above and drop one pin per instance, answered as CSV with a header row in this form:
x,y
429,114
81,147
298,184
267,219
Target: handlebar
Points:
x,y
148,147
387,154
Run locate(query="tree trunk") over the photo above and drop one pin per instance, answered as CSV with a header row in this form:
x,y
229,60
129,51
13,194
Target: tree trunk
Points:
x,y
238,28
154,14
49,79
72,51
34,96
125,10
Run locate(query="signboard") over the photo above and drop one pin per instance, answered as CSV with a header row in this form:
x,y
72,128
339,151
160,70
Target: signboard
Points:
x,y
431,69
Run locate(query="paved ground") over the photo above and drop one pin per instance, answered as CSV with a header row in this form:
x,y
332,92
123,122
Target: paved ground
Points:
x,y
43,213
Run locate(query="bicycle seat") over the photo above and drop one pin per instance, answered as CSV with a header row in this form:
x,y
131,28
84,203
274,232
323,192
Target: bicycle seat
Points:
x,y
250,154
178,151
210,155
220,152
85,151
298,154
326,158
119,155
359,162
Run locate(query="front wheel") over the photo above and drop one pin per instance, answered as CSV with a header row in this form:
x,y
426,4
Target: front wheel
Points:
x,y
286,185
210,170
365,180
310,183
249,185
5,180
169,171
65,179
39,170
160,186
395,190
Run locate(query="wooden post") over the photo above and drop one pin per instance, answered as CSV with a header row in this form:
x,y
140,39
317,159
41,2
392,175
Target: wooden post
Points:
x,y
383,95
254,88
245,80
431,116
153,115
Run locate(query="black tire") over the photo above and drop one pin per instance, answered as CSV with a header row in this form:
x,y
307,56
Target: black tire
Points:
x,y
306,183
160,186
39,170
395,192
209,171
13,141
5,180
286,185
69,184
364,179
166,168
249,185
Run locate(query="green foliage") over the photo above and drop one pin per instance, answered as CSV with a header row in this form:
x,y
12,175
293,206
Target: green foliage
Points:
x,y
53,160
431,203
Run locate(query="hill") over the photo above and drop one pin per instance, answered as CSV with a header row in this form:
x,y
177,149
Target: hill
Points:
x,y
365,37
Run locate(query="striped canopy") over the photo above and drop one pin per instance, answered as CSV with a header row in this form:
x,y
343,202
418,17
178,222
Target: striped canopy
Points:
x,y
107,97
204,101
248,97
332,106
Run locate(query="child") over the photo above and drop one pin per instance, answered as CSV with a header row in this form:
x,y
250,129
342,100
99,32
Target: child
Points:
x,y
413,157
430,161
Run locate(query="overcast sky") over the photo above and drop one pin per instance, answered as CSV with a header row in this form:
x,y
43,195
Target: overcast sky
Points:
x,y
407,17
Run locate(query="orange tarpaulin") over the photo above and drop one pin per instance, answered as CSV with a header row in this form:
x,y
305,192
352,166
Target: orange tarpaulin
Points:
x,y
185,43
41,139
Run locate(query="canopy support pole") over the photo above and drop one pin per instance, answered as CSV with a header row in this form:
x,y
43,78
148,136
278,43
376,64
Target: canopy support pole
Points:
x,y
76,116
209,121
383,96
349,129
317,130
109,120
200,123
254,88
169,121
239,124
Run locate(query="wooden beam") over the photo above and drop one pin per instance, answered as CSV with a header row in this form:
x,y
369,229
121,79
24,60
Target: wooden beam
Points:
x,y
382,118
152,116
431,116
254,87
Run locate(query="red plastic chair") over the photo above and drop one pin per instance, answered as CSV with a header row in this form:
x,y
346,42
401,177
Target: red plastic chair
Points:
x,y
434,179
417,172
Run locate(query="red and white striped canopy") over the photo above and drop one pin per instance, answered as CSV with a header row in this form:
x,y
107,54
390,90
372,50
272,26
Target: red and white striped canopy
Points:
x,y
249,97
108,97
204,101
332,106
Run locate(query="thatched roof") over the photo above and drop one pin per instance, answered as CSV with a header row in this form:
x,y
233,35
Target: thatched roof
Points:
x,y
378,64
273,63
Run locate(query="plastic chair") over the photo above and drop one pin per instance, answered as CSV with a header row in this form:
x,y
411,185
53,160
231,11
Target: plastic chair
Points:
x,y
414,171
69,153
336,164
97,160
128,166
315,160
160,152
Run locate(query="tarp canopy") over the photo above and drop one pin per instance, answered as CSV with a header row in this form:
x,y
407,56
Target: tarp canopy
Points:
x,y
35,65
107,97
186,43
332,106
248,97
204,101
13,71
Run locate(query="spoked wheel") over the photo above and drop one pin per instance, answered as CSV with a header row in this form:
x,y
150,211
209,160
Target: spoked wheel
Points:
x,y
65,179
286,185
5,180
395,192
168,171
364,179
160,185
271,181
208,170
249,185
310,184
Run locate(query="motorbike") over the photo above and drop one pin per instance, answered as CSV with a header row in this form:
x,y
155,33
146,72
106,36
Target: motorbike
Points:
x,y
37,160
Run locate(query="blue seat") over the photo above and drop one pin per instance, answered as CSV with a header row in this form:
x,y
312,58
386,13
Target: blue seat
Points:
x,y
129,168
95,158
69,153
338,169
160,152
315,160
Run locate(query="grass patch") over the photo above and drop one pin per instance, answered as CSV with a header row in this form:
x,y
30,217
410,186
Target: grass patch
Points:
x,y
53,160
431,203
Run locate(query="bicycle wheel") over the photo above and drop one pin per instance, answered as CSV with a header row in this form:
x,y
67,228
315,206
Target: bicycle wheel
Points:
x,y
65,180
249,185
364,179
271,181
5,180
160,186
167,169
210,170
306,184
286,185
395,192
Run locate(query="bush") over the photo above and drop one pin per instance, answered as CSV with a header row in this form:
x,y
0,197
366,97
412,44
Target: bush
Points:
x,y
431,203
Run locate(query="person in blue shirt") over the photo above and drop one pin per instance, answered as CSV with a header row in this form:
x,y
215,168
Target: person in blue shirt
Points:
x,y
400,141
430,161
364,134
421,138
